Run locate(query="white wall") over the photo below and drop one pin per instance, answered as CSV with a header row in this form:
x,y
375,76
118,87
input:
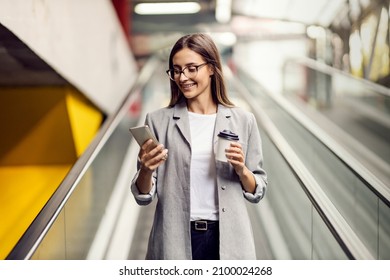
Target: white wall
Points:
x,y
81,40
264,59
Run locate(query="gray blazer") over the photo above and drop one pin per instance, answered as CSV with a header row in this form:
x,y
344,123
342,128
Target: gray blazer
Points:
x,y
170,237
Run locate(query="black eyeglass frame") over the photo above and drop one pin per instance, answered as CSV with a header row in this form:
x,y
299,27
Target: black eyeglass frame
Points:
x,y
182,71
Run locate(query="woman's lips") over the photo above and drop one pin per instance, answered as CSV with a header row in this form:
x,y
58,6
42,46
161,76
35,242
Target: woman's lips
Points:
x,y
187,86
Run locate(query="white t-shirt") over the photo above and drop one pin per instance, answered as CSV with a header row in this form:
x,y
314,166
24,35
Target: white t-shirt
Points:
x,y
204,195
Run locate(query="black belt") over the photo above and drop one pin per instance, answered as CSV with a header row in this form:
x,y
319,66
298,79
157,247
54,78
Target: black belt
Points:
x,y
203,225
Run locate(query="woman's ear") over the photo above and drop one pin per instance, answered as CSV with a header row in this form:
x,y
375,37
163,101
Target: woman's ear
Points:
x,y
211,70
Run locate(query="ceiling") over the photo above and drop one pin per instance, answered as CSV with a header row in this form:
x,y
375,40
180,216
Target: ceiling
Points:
x,y
333,14
268,18
308,12
20,66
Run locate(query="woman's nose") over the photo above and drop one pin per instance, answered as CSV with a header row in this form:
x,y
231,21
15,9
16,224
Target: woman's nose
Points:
x,y
182,77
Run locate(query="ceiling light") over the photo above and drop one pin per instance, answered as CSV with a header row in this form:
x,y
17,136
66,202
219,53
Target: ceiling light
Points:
x,y
223,10
167,8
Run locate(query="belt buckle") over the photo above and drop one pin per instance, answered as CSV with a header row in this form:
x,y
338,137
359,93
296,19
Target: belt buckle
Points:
x,y
201,225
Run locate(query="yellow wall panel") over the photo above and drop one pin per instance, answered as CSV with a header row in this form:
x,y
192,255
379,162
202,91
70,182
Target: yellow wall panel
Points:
x,y
45,129
36,124
84,118
49,141
24,191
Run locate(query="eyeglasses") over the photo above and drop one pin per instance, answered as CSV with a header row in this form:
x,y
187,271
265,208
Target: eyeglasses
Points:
x,y
190,71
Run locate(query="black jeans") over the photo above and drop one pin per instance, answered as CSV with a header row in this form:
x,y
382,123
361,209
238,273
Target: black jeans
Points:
x,y
205,240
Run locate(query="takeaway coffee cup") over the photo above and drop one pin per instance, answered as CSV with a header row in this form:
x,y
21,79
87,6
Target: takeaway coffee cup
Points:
x,y
225,137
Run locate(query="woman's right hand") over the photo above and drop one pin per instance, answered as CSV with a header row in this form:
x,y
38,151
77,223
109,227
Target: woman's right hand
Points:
x,y
152,156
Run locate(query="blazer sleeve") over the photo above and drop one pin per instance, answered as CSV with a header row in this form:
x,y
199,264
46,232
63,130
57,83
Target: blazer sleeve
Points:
x,y
141,198
254,162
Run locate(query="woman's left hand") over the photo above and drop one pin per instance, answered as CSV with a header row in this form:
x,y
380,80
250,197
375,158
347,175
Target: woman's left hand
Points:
x,y
236,157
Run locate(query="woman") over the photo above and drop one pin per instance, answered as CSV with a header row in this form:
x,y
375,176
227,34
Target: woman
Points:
x,y
200,211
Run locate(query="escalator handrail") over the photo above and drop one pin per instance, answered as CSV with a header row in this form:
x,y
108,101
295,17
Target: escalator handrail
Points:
x,y
35,233
326,69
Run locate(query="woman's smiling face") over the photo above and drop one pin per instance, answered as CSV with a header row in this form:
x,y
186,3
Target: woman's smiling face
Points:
x,y
198,86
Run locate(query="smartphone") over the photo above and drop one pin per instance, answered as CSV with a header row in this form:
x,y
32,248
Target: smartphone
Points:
x,y
142,133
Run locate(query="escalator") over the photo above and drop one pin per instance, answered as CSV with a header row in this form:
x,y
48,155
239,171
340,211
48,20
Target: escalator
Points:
x,y
319,204
327,203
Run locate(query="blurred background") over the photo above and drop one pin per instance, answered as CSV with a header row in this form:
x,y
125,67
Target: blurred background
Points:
x,y
75,75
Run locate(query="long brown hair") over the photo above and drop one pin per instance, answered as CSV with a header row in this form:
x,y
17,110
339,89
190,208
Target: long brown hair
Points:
x,y
204,46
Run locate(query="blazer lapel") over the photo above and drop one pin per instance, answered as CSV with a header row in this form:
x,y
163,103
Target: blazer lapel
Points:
x,y
222,122
180,114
